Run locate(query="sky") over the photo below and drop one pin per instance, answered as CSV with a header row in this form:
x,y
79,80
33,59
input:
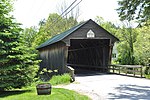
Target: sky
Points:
x,y
30,12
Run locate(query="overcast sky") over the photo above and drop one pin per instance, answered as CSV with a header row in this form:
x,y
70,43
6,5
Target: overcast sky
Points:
x,y
30,12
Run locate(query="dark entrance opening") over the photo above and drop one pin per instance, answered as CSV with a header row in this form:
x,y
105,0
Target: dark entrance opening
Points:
x,y
89,54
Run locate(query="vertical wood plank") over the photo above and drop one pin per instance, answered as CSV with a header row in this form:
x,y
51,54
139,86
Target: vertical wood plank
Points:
x,y
134,71
113,69
119,69
141,71
126,70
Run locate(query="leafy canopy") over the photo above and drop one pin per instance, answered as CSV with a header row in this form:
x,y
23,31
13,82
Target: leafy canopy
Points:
x,y
54,25
134,9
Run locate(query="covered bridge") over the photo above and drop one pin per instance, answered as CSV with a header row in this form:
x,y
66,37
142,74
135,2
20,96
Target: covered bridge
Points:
x,y
86,45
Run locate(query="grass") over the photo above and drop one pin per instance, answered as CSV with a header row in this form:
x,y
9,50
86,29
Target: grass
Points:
x,y
60,79
57,79
56,94
147,76
30,93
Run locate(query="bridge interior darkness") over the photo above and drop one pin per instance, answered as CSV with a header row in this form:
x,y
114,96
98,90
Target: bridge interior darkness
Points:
x,y
89,54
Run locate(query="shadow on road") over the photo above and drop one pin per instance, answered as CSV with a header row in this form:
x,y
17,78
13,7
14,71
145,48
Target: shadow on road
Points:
x,y
85,72
131,92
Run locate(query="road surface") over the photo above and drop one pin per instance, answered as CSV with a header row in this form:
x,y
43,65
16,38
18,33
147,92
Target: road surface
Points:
x,y
111,87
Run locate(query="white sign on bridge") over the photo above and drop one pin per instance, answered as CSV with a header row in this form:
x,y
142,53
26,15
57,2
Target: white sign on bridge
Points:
x,y
90,34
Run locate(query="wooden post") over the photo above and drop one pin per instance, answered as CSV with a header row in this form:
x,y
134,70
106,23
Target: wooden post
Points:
x,y
141,71
134,71
126,70
113,69
119,69
104,58
110,52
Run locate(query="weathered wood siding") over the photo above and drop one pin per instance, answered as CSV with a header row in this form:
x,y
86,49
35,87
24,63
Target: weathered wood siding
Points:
x,y
54,57
81,33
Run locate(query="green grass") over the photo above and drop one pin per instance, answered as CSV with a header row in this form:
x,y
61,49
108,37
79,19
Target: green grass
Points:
x,y
30,93
56,94
57,79
147,76
60,79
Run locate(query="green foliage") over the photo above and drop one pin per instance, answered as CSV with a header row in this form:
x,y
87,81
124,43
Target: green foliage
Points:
x,y
17,63
142,45
147,76
134,9
126,46
55,24
110,27
134,45
29,35
5,7
60,79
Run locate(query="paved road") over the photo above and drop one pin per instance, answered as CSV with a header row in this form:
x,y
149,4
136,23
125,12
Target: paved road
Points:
x,y
111,87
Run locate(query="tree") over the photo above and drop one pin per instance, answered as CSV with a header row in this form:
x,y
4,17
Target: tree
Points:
x,y
134,9
17,64
29,35
54,25
110,27
142,45
126,49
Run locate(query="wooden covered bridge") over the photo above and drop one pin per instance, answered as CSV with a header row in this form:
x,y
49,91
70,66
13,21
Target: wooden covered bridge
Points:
x,y
86,45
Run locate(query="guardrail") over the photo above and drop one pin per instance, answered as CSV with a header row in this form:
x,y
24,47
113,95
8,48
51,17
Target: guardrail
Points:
x,y
134,70
90,67
130,70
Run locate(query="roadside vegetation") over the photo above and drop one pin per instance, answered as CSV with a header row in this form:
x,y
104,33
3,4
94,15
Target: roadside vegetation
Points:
x,y
60,79
30,92
56,80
